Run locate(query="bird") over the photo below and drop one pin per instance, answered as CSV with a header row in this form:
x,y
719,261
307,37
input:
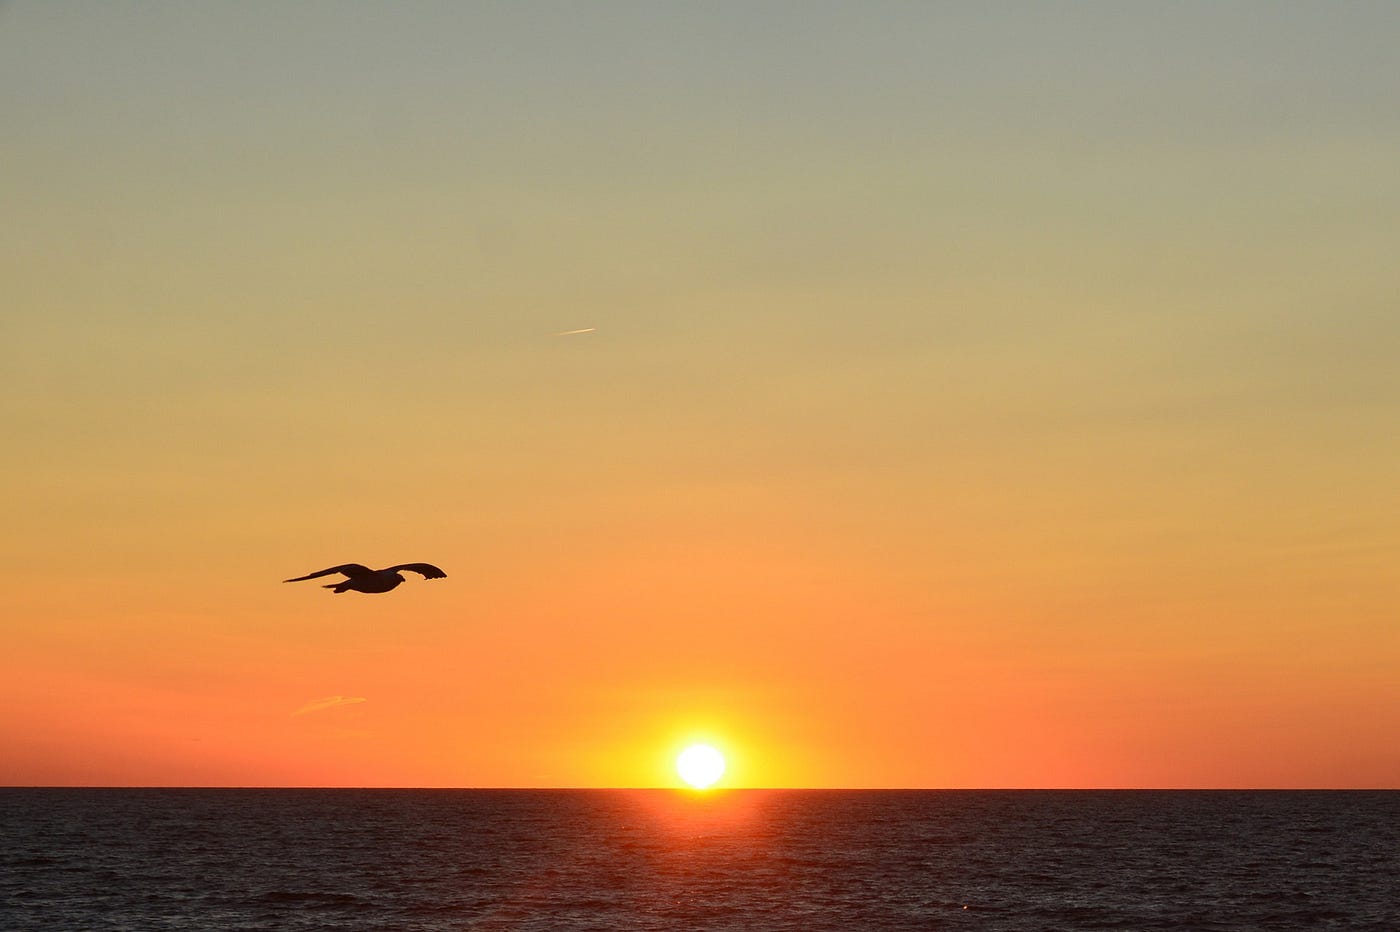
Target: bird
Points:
x,y
363,579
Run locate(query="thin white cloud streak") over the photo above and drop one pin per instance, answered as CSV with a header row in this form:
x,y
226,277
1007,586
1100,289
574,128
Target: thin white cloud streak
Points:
x,y
570,333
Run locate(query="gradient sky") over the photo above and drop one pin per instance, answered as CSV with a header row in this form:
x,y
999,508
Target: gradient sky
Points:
x,y
981,394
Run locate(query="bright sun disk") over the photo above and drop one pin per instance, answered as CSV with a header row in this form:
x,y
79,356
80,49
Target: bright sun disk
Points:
x,y
700,765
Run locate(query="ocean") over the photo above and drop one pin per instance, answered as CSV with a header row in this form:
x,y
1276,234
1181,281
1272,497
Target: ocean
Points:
x,y
284,860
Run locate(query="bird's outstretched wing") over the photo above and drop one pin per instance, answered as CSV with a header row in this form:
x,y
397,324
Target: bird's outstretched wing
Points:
x,y
349,569
426,569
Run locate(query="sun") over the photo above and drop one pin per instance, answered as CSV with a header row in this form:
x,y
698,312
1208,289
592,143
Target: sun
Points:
x,y
700,765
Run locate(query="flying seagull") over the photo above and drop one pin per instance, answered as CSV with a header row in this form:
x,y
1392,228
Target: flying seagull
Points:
x,y
363,579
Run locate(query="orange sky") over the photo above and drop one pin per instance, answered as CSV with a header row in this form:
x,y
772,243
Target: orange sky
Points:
x,y
977,398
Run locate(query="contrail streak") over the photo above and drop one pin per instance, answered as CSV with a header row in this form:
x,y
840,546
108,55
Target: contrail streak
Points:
x,y
569,333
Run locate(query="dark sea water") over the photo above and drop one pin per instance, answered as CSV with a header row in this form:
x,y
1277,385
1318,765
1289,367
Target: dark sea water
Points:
x,y
88,859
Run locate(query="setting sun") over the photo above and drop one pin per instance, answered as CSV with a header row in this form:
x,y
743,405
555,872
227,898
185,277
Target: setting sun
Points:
x,y
700,765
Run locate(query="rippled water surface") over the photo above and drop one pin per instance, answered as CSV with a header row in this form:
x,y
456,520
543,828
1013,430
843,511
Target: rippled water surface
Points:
x,y
741,860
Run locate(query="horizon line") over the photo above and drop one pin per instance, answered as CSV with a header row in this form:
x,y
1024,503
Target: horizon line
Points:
x,y
718,790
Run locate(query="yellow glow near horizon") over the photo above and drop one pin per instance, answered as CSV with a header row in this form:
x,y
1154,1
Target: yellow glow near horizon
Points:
x,y
700,765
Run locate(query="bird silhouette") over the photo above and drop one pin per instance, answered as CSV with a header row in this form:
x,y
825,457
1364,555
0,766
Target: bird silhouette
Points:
x,y
363,579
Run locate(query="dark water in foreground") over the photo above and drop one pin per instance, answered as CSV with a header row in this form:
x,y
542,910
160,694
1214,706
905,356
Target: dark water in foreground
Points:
x,y
742,860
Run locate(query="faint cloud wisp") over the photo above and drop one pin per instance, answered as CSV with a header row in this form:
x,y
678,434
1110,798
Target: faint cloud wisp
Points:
x,y
327,702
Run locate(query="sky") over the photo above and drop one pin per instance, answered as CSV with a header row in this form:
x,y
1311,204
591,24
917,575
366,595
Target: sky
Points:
x,y
970,395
